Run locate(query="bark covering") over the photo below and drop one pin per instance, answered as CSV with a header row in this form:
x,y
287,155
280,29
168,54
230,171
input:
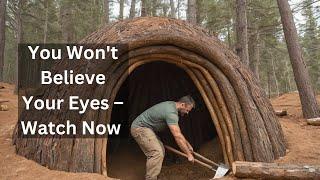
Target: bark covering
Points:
x,y
261,170
245,121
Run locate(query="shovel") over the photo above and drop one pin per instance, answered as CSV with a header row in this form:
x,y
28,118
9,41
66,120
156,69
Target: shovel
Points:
x,y
221,171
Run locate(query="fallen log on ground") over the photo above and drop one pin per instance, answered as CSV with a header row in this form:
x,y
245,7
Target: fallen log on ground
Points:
x,y
261,170
281,113
3,101
314,121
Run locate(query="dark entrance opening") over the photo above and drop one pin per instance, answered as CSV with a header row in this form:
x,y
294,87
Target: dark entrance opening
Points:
x,y
148,85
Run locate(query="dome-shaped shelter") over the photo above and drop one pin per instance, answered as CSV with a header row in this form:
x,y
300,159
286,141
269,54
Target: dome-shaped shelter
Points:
x,y
243,117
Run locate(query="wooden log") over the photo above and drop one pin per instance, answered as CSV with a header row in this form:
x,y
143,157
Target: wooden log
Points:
x,y
218,117
314,121
281,113
242,169
231,121
3,101
228,135
221,109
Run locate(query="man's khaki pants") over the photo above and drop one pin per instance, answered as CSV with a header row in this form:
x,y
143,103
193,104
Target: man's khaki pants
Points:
x,y
152,147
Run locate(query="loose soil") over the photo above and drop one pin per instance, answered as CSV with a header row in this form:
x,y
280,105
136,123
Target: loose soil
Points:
x,y
302,140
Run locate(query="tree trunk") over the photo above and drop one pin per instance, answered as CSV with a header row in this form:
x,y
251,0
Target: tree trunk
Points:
x,y
274,74
106,11
172,9
192,11
269,83
165,9
19,35
241,30
259,170
132,9
3,4
154,7
254,53
199,9
143,8
287,74
67,25
178,9
45,29
308,99
121,9
229,37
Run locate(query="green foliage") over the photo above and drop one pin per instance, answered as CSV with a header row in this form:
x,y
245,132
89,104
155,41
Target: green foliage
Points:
x,y
218,16
88,17
311,43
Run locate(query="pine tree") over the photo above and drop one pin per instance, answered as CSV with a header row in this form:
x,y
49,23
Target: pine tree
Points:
x,y
310,43
192,11
3,5
132,9
241,30
308,99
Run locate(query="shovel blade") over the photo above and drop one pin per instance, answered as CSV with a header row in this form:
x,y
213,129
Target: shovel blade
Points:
x,y
220,172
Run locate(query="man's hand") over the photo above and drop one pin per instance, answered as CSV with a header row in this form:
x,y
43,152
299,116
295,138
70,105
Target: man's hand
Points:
x,y
181,141
190,147
190,158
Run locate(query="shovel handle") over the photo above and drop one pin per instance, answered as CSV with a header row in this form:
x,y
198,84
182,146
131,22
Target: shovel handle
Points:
x,y
184,155
204,158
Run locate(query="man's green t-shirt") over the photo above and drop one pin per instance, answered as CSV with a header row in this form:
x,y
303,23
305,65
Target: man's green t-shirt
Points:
x,y
158,117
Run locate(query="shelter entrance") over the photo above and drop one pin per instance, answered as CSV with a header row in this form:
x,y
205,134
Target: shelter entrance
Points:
x,y
147,85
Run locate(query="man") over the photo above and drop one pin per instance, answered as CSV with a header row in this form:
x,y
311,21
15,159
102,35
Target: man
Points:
x,y
155,119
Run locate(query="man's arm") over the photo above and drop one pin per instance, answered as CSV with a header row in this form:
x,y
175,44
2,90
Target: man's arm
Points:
x,y
189,146
181,141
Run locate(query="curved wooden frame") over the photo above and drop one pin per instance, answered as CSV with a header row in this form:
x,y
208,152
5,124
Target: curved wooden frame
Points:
x,y
242,114
230,134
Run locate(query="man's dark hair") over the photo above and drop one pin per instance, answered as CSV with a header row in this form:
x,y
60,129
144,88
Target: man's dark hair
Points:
x,y
188,100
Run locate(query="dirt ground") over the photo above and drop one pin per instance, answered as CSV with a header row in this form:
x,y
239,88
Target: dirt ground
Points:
x,y
173,168
302,140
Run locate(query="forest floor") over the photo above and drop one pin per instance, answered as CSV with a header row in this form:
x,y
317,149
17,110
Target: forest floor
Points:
x,y
302,140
